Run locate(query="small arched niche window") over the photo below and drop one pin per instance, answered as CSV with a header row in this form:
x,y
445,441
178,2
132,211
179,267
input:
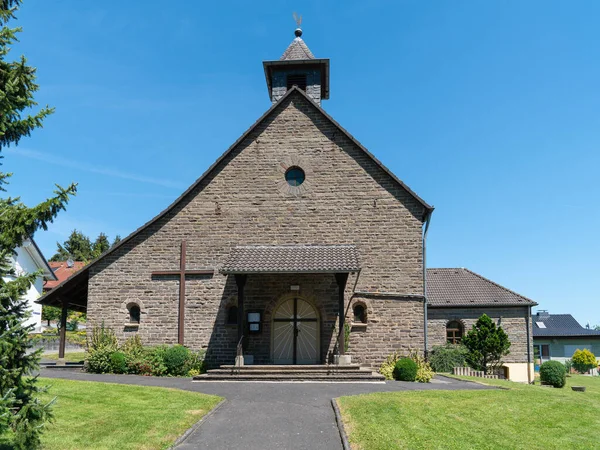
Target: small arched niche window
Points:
x,y
232,313
454,332
360,313
134,313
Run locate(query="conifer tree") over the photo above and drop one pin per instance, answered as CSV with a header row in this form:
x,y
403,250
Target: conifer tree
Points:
x,y
22,414
486,343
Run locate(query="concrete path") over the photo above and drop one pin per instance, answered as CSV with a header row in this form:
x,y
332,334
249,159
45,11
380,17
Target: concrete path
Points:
x,y
266,416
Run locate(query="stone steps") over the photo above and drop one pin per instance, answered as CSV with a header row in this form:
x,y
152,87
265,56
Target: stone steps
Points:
x,y
315,373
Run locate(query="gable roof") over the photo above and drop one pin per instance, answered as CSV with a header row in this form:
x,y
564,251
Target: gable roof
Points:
x,y
461,287
52,297
30,247
559,325
62,271
297,50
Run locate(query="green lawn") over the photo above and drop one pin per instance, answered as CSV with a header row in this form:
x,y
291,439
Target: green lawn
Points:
x,y
69,356
97,416
523,417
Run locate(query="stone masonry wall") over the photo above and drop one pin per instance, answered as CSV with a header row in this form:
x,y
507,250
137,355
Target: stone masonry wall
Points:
x,y
346,199
513,321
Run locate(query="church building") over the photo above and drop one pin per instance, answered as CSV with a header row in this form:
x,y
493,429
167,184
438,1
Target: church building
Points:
x,y
297,246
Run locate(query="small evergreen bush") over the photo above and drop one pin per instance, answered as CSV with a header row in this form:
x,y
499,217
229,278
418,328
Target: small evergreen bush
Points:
x,y
99,360
388,366
568,366
175,359
583,360
405,370
443,358
554,373
118,362
424,371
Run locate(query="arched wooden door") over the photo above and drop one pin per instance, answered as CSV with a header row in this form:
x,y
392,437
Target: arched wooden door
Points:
x,y
295,333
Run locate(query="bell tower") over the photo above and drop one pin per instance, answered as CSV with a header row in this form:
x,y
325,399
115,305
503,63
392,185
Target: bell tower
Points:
x,y
298,67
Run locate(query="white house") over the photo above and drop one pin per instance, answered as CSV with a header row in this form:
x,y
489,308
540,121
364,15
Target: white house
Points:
x,y
29,259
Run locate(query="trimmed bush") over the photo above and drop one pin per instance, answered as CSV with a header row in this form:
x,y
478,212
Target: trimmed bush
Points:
x,y
118,362
554,373
175,359
583,360
443,358
405,370
388,366
424,371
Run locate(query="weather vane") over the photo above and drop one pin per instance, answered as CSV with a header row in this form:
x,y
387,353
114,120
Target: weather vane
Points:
x,y
298,20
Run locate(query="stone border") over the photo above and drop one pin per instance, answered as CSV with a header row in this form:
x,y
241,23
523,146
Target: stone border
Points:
x,y
181,439
340,425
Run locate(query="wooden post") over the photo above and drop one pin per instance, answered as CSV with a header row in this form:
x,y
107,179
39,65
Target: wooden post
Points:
x,y
63,334
341,279
240,280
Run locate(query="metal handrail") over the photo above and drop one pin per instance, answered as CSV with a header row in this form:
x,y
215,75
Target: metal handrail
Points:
x,y
239,354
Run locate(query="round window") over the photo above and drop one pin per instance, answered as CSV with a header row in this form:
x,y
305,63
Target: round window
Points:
x,y
294,176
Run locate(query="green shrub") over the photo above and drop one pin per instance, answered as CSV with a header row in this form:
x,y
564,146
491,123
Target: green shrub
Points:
x,y
195,363
133,346
102,337
388,366
443,358
424,371
554,373
99,360
568,366
583,360
405,370
175,359
118,362
101,345
155,357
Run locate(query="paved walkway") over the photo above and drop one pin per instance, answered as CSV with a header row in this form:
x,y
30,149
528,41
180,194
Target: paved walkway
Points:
x,y
268,415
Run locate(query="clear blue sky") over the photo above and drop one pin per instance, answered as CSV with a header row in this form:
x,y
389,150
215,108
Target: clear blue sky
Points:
x,y
489,110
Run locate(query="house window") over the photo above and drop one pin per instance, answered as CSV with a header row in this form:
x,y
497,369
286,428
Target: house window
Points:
x,y
134,313
232,313
360,313
454,332
294,176
296,80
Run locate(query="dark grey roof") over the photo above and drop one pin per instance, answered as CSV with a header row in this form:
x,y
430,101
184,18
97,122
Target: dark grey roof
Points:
x,y
292,259
559,325
297,50
462,287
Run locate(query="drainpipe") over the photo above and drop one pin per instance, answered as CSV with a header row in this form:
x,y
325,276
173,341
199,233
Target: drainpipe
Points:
x,y
528,345
427,222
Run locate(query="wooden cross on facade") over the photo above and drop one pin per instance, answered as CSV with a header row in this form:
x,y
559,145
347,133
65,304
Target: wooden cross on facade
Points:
x,y
182,273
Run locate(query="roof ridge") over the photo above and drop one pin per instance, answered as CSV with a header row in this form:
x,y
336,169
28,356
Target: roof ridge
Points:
x,y
500,286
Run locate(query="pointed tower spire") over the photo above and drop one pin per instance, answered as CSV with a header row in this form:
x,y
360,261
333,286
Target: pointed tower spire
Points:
x,y
298,67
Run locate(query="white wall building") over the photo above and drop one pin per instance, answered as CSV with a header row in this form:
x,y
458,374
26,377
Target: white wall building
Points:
x,y
29,259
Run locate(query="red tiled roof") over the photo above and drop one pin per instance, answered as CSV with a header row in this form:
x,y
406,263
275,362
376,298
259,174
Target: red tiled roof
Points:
x,y
62,272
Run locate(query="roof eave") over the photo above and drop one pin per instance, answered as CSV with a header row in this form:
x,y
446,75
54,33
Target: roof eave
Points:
x,y
285,272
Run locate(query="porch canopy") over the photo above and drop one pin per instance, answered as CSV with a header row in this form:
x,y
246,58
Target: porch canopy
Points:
x,y
256,259
339,260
